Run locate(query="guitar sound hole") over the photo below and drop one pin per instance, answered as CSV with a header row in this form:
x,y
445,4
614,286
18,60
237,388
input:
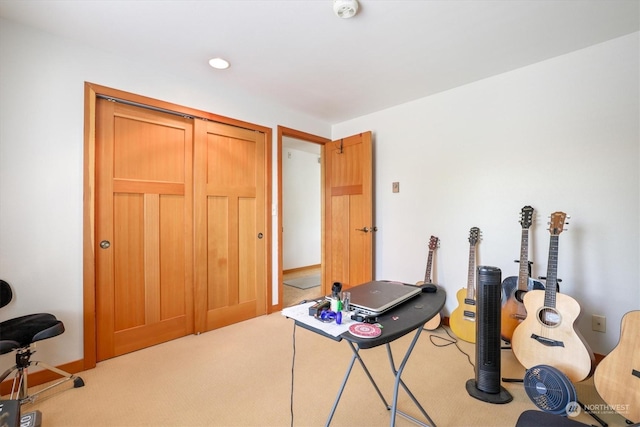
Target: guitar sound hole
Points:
x,y
549,317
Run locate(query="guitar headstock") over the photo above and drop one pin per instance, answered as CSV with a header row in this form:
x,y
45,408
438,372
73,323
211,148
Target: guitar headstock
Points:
x,y
557,223
526,216
434,242
474,235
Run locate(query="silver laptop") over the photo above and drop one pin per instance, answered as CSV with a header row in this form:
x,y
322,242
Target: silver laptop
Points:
x,y
374,298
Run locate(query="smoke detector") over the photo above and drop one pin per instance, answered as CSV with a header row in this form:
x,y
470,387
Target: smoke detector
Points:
x,y
345,8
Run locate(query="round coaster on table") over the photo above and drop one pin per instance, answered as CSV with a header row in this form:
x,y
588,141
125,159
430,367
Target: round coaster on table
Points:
x,y
365,330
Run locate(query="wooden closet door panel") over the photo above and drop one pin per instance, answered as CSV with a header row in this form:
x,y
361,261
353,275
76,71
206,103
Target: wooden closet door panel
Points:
x,y
217,280
173,256
148,149
247,250
144,283
231,230
129,263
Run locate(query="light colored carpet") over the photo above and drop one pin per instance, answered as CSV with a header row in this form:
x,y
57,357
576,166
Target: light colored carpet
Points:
x,y
304,282
241,375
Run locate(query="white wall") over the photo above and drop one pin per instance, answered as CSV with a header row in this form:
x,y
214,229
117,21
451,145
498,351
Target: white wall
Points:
x,y
41,153
301,209
560,135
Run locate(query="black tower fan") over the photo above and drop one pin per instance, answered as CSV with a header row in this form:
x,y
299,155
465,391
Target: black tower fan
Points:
x,y
486,385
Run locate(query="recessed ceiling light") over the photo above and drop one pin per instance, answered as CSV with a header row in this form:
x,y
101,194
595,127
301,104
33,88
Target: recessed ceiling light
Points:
x,y
219,63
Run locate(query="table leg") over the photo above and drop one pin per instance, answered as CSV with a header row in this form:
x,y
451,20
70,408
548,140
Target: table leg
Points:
x,y
399,382
366,371
356,355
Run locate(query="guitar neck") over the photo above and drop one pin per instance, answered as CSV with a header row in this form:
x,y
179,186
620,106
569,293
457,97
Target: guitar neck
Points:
x,y
523,274
427,274
472,273
552,273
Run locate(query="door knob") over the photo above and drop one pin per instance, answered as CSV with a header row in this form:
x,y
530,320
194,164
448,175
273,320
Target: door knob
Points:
x,y
365,229
105,244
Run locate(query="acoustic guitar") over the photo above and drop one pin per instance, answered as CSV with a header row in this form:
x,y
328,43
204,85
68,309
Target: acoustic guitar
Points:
x,y
433,245
463,318
617,377
547,335
514,288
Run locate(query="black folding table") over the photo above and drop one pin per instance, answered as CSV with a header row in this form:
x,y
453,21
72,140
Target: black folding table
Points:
x,y
410,316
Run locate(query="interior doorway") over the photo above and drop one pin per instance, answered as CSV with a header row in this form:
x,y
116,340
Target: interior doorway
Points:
x,y
300,207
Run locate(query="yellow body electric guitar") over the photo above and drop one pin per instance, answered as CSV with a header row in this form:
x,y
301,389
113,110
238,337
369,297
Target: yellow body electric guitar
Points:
x,y
433,245
463,318
547,335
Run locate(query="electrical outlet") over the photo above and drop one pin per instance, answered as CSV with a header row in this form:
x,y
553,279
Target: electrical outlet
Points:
x,y
599,323
395,187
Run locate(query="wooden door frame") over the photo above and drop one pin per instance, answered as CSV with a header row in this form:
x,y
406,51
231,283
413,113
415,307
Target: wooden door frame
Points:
x,y
91,92
307,137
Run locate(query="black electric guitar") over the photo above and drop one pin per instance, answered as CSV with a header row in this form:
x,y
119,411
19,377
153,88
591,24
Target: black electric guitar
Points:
x,y
433,245
514,288
463,318
547,336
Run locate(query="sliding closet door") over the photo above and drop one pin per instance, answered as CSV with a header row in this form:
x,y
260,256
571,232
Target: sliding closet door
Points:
x,y
230,224
144,228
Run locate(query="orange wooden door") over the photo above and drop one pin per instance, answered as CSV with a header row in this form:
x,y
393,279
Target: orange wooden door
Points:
x,y
144,227
230,225
348,211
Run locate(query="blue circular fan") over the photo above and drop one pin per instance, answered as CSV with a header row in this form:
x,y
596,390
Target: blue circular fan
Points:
x,y
549,389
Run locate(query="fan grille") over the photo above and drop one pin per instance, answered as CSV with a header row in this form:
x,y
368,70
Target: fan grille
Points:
x,y
549,389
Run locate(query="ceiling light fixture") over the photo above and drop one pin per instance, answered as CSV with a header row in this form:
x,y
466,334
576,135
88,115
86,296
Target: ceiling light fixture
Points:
x,y
345,8
219,63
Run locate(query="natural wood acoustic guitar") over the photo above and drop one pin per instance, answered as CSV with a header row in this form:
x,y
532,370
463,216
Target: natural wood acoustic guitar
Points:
x,y
434,323
617,377
547,335
463,318
514,288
